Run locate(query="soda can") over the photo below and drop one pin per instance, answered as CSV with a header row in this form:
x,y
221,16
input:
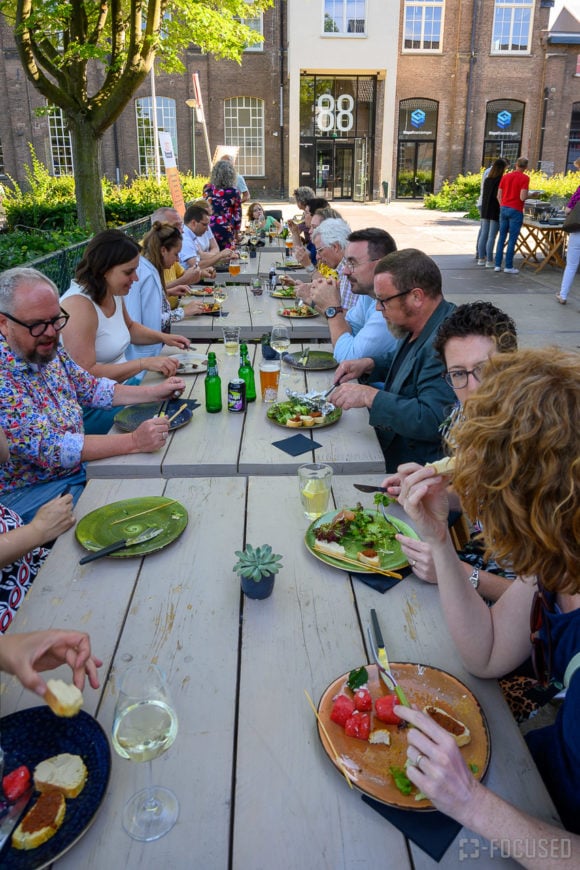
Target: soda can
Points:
x,y
237,395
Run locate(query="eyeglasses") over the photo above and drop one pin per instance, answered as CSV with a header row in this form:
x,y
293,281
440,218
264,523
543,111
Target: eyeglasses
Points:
x,y
541,649
351,264
384,302
39,327
458,378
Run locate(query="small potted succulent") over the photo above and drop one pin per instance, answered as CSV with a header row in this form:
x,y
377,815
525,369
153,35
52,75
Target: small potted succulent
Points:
x,y
257,569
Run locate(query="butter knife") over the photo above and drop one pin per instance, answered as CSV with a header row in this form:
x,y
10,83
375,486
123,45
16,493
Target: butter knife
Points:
x,y
364,487
147,535
13,816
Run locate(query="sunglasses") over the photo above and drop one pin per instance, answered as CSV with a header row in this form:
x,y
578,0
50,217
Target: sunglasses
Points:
x,y
541,649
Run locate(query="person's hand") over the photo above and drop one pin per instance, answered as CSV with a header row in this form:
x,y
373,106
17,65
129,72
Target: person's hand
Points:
x,y
324,293
228,254
209,273
193,308
302,291
170,387
25,654
424,497
150,435
165,365
287,281
420,558
349,396
180,341
292,225
442,773
181,290
191,276
302,256
53,518
351,369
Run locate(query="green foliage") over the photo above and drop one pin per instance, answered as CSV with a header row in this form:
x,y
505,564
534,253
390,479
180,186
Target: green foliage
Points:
x,y
461,194
255,564
23,246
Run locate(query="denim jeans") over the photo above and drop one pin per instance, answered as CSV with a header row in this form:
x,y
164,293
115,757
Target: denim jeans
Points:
x,y
572,262
510,221
487,233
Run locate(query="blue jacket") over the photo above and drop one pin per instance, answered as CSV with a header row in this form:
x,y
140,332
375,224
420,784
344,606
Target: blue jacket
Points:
x,y
408,415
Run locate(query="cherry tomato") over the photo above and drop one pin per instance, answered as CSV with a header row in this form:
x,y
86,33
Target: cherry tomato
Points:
x,y
15,784
359,725
342,710
384,709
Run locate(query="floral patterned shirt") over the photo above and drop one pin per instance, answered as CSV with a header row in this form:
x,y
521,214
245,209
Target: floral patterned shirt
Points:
x,y
41,415
226,217
16,578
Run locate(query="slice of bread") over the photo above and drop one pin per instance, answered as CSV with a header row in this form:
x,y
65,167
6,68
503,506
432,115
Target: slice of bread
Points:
x,y
64,773
330,548
381,735
41,822
64,699
457,729
446,465
369,557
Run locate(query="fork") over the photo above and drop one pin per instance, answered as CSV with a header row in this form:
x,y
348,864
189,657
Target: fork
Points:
x,y
388,519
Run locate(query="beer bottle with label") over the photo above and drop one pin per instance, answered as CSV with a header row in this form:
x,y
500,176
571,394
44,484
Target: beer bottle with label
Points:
x,y
213,386
246,373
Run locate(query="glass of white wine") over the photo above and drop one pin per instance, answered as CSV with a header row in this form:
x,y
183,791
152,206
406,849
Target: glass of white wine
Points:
x,y
280,341
220,296
144,727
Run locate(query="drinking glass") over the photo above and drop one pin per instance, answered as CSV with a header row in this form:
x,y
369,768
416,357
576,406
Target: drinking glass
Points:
x,y
280,341
269,379
234,268
220,296
231,340
257,290
314,482
289,243
145,726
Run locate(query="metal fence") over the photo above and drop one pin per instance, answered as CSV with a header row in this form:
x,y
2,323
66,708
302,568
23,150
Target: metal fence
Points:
x,y
60,265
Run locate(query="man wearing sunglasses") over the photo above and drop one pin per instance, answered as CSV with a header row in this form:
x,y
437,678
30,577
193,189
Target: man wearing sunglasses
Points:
x,y
407,398
41,393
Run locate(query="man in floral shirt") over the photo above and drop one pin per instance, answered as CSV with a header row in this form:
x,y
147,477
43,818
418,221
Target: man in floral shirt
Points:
x,y
41,391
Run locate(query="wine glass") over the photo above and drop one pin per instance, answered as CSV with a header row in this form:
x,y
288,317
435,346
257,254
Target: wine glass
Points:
x,y
145,726
220,295
280,341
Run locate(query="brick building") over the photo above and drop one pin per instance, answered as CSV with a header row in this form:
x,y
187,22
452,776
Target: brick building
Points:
x,y
344,95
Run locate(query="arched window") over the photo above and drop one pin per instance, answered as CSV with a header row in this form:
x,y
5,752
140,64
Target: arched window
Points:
x,y
60,143
573,139
166,121
244,127
504,121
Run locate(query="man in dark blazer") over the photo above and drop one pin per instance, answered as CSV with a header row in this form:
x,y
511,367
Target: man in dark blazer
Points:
x,y
407,397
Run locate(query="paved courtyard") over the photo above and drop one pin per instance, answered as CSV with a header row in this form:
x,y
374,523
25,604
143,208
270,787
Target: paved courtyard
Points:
x,y
450,239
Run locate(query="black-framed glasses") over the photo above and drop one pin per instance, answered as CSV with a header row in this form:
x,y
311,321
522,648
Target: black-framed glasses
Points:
x,y
384,302
39,327
541,648
458,378
351,264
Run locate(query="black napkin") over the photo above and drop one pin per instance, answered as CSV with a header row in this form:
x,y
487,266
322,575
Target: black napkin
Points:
x,y
380,583
296,445
218,313
433,832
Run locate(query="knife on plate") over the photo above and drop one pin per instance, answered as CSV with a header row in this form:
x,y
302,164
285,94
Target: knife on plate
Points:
x,y
13,816
122,544
304,358
383,661
363,487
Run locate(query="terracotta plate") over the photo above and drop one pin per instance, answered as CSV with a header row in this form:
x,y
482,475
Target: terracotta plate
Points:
x,y
368,765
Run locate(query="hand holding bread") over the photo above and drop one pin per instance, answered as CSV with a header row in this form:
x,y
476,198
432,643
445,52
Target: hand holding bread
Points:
x,y
27,653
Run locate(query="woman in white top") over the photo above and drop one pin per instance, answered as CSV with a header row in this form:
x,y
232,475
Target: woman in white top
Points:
x,y
100,329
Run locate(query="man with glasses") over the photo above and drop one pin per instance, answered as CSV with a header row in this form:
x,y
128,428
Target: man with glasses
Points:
x,y
41,393
407,398
330,239
199,245
361,331
176,275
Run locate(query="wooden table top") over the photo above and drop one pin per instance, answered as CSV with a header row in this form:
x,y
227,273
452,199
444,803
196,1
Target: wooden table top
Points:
x,y
255,786
228,443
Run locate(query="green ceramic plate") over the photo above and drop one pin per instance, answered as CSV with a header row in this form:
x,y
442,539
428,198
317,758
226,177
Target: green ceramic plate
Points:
x,y
328,420
131,416
318,360
292,311
389,560
119,520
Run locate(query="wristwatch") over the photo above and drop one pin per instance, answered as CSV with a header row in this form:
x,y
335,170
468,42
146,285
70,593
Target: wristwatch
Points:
x,y
474,578
333,310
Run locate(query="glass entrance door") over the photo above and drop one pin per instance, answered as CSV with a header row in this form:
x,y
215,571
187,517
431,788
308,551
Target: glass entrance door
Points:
x,y
415,169
343,174
360,189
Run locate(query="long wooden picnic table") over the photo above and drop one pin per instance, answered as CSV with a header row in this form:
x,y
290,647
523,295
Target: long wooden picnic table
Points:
x,y
230,443
255,786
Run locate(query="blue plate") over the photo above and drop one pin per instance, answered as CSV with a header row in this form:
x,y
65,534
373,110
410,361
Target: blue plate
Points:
x,y
131,416
30,736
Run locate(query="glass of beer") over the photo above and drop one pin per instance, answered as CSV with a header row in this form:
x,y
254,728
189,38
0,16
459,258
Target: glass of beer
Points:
x,y
234,268
269,379
314,483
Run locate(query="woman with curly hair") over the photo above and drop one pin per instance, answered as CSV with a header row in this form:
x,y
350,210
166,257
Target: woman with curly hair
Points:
x,y
517,469
226,204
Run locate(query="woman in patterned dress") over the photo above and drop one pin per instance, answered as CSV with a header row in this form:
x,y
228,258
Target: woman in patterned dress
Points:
x,y
226,204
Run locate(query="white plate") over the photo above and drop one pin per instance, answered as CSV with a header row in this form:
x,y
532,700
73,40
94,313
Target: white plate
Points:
x,y
191,363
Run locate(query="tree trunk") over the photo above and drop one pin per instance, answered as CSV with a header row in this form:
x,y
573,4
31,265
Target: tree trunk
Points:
x,y
86,149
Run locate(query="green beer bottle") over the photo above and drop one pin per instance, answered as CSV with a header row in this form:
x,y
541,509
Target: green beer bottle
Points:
x,y
246,372
213,386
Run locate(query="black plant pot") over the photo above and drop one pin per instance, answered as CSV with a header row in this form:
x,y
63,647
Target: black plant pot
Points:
x,y
262,589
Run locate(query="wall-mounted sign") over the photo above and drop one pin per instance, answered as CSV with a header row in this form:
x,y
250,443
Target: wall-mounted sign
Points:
x,y
504,119
334,115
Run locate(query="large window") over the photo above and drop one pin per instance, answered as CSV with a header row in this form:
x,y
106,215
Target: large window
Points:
x,y
573,139
244,127
166,121
60,143
512,26
345,17
256,24
504,122
423,25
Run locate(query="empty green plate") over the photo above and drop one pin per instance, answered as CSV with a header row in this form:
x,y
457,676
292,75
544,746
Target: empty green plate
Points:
x,y
318,360
131,416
